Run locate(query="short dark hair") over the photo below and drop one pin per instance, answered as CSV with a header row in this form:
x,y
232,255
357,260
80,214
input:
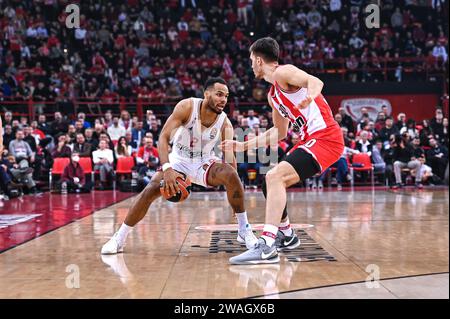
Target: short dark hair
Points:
x,y
211,81
267,48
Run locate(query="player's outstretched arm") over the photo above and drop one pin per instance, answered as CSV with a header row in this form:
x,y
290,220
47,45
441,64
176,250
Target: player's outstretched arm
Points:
x,y
290,75
227,135
179,116
269,137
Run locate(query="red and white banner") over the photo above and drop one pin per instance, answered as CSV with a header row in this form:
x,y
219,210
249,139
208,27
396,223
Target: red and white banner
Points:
x,y
353,107
415,106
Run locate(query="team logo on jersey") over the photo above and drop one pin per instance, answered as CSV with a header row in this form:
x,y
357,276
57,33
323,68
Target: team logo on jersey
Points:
x,y
213,134
283,110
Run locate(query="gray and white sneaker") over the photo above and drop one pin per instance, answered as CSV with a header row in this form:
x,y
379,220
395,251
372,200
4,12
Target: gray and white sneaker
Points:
x,y
247,237
283,242
260,254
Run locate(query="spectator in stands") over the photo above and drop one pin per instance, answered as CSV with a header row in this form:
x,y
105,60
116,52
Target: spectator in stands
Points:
x,y
404,158
401,121
125,121
347,121
252,119
380,121
388,130
364,145
8,135
379,164
115,131
22,173
362,122
21,150
129,139
440,54
410,129
122,148
107,121
437,125
82,117
81,147
437,157
138,133
105,137
103,159
73,178
43,125
147,160
155,129
7,183
59,125
89,137
62,149
8,119
79,127
29,138
419,153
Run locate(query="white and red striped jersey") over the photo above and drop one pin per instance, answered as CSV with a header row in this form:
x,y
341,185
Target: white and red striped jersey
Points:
x,y
316,117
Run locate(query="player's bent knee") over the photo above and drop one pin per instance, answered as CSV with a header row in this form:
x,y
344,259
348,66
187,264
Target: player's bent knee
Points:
x,y
230,176
272,176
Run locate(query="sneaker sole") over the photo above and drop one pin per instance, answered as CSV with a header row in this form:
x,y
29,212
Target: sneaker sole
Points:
x,y
110,253
272,260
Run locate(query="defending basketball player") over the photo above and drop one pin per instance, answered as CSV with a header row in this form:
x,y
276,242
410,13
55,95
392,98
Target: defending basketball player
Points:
x,y
196,126
296,99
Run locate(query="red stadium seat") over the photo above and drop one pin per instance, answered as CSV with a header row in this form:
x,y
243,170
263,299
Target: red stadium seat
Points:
x,y
86,164
364,160
59,164
124,165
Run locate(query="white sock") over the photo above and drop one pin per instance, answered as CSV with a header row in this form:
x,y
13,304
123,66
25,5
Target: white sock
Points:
x,y
242,221
122,233
285,228
269,234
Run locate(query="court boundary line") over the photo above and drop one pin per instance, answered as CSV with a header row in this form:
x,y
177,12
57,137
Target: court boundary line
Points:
x,y
69,223
346,283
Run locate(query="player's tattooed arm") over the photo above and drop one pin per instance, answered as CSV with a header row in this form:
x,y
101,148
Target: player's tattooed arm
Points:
x,y
290,76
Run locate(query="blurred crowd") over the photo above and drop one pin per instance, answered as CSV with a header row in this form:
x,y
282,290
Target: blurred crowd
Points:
x,y
162,50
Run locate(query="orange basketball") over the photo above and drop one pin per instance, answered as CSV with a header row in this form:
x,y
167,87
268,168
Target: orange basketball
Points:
x,y
185,189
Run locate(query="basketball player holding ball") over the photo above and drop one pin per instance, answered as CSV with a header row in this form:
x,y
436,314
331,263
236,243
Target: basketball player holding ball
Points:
x,y
296,100
195,127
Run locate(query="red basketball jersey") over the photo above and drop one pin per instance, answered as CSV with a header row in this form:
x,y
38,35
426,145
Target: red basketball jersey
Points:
x,y
316,117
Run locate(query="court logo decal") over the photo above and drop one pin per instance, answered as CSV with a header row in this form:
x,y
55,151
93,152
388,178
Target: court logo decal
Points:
x,y
10,220
224,241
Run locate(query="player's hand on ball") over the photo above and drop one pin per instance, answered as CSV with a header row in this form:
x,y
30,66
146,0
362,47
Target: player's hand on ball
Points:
x,y
305,103
231,146
170,181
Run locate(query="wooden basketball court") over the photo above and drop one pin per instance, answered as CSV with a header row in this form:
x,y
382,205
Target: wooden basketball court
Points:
x,y
182,250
